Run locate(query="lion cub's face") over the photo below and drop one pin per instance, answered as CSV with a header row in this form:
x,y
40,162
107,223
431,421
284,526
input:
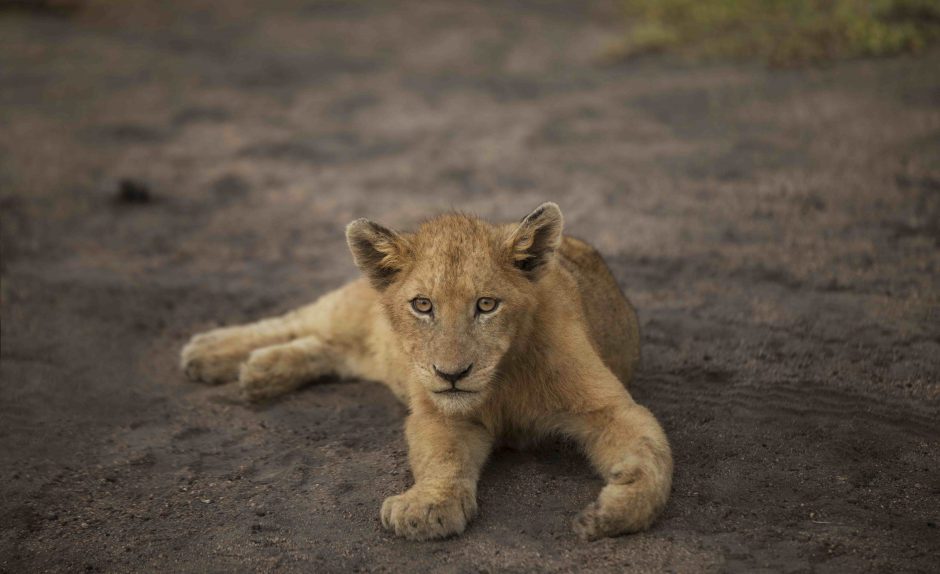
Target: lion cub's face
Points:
x,y
458,292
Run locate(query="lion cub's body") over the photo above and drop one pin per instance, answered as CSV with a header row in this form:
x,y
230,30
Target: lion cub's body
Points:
x,y
352,319
554,358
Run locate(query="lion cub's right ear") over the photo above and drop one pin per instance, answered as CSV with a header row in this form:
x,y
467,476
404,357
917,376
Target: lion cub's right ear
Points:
x,y
378,251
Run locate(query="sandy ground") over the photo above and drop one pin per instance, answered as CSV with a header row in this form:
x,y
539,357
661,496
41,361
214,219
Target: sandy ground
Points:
x,y
779,232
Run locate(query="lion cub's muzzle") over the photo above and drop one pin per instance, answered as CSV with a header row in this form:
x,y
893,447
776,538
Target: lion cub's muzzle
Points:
x,y
453,377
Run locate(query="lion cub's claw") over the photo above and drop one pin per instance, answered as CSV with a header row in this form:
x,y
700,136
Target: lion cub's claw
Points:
x,y
418,515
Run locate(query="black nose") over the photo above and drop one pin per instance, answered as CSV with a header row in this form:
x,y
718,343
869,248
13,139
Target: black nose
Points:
x,y
452,378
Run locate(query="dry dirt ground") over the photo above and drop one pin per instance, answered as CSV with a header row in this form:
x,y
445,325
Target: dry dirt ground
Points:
x,y
779,231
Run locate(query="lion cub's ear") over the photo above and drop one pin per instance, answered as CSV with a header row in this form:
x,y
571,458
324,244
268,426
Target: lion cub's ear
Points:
x,y
533,243
378,251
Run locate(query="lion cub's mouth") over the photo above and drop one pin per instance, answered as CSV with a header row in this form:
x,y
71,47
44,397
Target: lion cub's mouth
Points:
x,y
454,392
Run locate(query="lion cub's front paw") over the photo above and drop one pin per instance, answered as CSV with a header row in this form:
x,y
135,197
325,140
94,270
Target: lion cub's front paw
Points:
x,y
621,509
420,514
593,523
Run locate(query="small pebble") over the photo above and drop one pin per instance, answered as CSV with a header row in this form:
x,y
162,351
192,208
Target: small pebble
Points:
x,y
133,192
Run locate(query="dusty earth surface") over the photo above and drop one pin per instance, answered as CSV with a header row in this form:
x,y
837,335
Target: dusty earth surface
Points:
x,y
779,231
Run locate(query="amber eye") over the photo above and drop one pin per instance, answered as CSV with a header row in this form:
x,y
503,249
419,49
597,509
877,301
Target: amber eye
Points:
x,y
487,304
422,305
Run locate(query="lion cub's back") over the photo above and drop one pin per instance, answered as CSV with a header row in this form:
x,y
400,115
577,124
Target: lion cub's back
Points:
x,y
611,318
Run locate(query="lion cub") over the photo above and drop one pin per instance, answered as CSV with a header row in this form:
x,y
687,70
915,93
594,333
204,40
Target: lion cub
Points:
x,y
488,333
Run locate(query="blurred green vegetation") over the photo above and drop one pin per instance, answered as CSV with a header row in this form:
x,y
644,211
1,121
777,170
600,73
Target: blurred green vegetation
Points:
x,y
781,32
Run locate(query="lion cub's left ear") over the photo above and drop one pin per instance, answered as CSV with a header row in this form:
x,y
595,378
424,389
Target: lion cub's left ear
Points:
x,y
379,252
533,243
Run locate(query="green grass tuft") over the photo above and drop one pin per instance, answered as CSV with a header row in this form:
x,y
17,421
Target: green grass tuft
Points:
x,y
782,32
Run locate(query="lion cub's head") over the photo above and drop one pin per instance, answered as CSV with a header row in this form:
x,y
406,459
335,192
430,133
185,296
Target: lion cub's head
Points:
x,y
458,292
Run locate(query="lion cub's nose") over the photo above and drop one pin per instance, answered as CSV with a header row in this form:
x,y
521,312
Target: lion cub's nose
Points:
x,y
452,378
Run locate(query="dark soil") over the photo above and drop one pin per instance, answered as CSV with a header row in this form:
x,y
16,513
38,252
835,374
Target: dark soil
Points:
x,y
166,167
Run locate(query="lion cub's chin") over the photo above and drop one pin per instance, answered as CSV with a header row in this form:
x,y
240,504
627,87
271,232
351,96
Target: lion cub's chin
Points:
x,y
458,403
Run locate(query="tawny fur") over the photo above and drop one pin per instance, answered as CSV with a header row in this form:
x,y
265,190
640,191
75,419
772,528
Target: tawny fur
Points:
x,y
554,358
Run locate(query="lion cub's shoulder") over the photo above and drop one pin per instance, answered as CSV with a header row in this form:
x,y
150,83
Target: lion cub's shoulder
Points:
x,y
611,319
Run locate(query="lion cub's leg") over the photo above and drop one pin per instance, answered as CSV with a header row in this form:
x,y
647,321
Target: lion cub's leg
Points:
x,y
446,457
214,356
278,369
629,448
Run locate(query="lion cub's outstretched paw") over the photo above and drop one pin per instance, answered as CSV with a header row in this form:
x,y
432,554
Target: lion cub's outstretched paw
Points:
x,y
422,515
213,357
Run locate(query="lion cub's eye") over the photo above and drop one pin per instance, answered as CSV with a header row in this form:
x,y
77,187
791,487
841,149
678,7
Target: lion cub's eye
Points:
x,y
487,304
422,305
